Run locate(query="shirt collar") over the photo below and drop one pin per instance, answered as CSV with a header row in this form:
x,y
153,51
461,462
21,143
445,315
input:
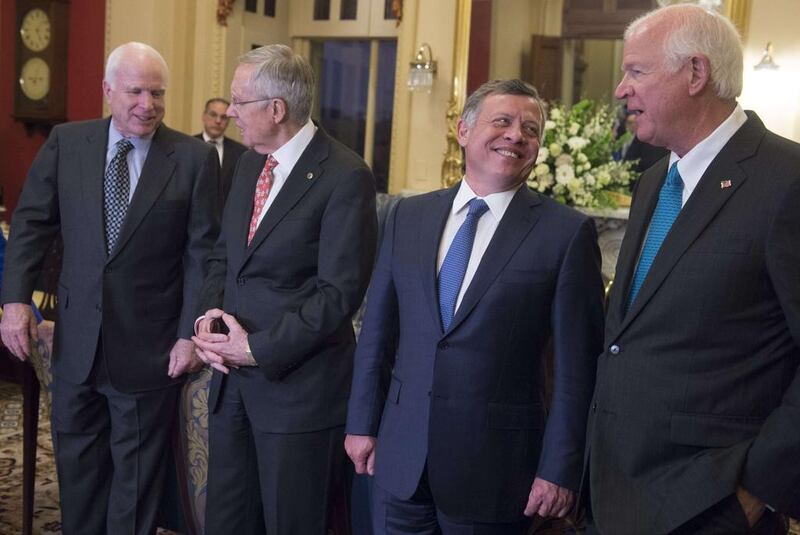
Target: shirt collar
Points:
x,y
209,139
139,143
695,162
291,151
497,202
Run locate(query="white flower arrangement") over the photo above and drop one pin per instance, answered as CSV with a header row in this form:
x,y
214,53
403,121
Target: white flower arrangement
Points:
x,y
575,164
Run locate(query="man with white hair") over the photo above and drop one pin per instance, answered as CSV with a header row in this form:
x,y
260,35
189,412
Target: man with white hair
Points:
x,y
693,426
289,270
137,206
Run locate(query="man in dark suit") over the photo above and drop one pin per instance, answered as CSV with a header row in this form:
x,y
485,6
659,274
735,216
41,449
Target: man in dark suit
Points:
x,y
289,270
136,205
693,427
215,122
462,440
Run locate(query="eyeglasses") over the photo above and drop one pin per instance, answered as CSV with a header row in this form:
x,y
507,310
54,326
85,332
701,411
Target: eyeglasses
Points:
x,y
214,116
238,103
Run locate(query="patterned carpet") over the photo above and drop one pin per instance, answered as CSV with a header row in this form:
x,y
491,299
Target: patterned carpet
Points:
x,y
47,518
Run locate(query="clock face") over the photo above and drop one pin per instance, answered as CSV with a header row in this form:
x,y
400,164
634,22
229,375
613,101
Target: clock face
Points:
x,y
34,79
35,30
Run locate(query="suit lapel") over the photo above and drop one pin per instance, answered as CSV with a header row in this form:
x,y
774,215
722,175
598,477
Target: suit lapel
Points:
x,y
248,175
520,217
93,169
156,172
640,214
306,171
430,234
702,207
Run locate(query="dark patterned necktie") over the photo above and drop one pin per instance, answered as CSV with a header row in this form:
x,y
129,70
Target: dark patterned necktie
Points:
x,y
116,190
454,267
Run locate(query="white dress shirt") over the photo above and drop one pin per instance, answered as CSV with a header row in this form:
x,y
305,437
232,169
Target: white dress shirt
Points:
x,y
487,224
695,162
219,143
287,157
136,156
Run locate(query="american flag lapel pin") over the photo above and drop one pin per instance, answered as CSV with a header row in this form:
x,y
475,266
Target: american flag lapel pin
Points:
x,y
724,184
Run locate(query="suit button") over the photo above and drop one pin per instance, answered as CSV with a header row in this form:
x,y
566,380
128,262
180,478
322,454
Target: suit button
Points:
x,y
240,281
594,407
443,345
614,350
108,269
98,307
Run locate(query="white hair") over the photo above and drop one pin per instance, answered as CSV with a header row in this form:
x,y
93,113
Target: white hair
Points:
x,y
280,73
119,54
696,30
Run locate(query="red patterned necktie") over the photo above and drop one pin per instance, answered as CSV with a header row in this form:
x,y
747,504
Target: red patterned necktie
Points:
x,y
262,192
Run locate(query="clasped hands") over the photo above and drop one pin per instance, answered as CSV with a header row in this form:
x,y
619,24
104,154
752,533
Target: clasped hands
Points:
x,y
221,351
546,499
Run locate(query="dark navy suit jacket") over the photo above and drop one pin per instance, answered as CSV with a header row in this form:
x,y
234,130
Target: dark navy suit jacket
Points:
x,y
470,401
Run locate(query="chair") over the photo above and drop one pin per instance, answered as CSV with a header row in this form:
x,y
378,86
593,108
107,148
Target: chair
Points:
x,y
30,375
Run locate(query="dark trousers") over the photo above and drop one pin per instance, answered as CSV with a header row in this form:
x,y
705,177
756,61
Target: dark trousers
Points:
x,y
279,484
420,515
726,518
110,449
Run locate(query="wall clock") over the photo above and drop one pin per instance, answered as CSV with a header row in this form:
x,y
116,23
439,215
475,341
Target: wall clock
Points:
x,y
40,87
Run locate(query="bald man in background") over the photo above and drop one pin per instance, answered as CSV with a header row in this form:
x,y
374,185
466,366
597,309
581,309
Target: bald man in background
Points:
x,y
215,122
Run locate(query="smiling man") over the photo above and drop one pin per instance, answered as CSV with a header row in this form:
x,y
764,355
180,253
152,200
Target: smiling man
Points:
x,y
471,285
136,204
694,424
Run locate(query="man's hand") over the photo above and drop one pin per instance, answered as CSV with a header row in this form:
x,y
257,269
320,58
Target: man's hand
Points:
x,y
752,506
361,450
18,328
204,324
547,499
182,358
221,351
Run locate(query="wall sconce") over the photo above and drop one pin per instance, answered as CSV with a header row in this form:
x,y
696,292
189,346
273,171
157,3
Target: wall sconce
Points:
x,y
420,74
766,63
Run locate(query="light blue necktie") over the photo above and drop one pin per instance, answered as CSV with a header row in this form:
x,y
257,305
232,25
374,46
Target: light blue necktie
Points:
x,y
455,262
669,204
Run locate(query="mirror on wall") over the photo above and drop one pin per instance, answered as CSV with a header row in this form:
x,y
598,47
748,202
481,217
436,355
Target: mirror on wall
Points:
x,y
523,39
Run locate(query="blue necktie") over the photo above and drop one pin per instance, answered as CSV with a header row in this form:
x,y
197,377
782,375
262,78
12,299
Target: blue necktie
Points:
x,y
455,262
669,204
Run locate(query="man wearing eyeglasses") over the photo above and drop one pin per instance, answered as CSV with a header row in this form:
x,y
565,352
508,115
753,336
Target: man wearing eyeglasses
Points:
x,y
215,122
289,270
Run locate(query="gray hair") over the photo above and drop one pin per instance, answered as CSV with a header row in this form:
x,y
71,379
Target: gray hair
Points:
x,y
119,54
280,73
696,30
472,106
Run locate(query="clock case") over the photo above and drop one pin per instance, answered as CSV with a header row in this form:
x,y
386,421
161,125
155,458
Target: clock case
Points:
x,y
52,108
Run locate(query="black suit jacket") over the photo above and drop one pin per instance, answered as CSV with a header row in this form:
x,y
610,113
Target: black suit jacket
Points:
x,y
231,151
698,390
469,402
144,295
296,287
